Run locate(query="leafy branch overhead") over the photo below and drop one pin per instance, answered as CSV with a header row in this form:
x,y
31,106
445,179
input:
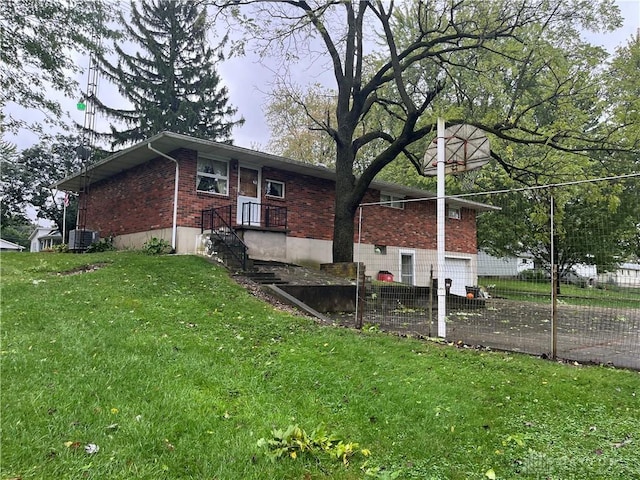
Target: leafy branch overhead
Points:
x,y
519,70
40,40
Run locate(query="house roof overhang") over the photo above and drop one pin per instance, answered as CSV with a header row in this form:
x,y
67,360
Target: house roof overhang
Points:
x,y
7,245
167,142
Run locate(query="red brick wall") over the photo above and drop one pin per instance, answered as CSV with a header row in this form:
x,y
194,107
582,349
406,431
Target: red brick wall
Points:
x,y
136,200
310,215
309,202
141,199
415,226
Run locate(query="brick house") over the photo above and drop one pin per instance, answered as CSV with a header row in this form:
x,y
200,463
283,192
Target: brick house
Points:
x,y
174,186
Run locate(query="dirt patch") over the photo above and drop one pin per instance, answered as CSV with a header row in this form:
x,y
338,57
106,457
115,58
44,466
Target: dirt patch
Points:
x,y
83,269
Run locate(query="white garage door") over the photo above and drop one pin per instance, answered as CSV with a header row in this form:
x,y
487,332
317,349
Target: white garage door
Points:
x,y
458,270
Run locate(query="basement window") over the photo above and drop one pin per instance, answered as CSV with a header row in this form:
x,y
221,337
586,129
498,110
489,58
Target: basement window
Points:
x,y
454,213
391,201
213,176
380,249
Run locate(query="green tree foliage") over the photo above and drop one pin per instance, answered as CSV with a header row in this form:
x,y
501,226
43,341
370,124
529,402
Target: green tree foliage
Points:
x,y
622,102
40,40
596,223
171,80
28,180
518,70
16,229
292,116
590,225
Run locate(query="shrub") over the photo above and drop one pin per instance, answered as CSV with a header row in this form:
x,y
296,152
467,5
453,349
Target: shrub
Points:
x,y
157,246
537,275
61,248
102,245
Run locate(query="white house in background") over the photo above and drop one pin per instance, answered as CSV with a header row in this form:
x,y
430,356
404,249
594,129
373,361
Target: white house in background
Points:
x,y
43,238
627,275
7,246
490,266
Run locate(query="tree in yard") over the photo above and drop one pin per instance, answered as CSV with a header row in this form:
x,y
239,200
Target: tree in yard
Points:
x,y
27,179
39,42
592,225
291,115
622,103
518,70
171,81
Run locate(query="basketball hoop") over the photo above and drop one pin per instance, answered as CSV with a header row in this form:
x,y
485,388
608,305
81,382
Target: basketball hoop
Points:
x,y
466,149
467,179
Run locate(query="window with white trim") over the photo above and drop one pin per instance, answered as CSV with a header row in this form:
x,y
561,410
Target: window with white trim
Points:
x,y
454,213
391,201
212,176
274,189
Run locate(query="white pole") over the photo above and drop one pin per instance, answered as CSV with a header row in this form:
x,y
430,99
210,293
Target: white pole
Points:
x,y
358,286
64,219
442,298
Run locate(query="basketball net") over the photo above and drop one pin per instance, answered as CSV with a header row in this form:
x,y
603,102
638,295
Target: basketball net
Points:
x,y
467,179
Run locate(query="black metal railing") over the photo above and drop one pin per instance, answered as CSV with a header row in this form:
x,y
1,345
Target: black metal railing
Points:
x,y
264,215
218,222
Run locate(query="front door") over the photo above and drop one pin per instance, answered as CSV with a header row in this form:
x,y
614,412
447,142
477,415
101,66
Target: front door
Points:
x,y
248,196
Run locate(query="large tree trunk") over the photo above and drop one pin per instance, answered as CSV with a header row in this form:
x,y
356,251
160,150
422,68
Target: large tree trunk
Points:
x,y
345,206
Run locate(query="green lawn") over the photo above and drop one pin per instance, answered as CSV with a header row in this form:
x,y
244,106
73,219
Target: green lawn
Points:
x,y
173,371
608,296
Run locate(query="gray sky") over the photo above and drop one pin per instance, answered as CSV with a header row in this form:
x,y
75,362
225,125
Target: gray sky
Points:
x,y
248,81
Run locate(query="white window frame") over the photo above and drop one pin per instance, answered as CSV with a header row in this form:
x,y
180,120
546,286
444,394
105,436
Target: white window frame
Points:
x,y
392,200
454,213
268,183
412,254
214,176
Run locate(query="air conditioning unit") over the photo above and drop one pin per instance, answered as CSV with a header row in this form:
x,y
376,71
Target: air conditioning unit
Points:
x,y
81,239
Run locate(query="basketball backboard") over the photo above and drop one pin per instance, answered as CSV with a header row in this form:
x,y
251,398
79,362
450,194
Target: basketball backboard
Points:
x,y
466,148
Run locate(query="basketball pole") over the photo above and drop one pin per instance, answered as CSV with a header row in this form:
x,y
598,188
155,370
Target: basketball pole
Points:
x,y
442,292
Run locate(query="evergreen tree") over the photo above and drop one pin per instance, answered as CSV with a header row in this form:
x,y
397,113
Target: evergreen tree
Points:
x,y
171,80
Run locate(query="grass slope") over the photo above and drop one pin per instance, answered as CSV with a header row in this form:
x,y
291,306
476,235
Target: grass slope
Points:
x,y
175,372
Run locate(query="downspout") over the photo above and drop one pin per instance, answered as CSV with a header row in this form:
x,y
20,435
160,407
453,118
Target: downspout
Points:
x,y
174,228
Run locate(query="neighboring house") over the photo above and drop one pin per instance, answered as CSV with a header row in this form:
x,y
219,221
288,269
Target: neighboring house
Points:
x,y
7,246
171,186
490,266
43,238
512,266
627,275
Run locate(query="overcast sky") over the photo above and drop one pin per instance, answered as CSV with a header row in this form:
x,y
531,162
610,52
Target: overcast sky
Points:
x,y
248,80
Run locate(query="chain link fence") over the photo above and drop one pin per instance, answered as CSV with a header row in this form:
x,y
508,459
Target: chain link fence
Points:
x,y
553,271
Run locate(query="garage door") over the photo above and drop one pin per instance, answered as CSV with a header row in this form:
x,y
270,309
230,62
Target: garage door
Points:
x,y
458,270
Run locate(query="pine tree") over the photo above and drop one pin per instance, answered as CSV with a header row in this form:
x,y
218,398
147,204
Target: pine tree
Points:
x,y
171,80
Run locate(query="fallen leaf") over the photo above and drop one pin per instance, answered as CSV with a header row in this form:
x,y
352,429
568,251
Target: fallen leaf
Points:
x,y
91,448
490,474
624,442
